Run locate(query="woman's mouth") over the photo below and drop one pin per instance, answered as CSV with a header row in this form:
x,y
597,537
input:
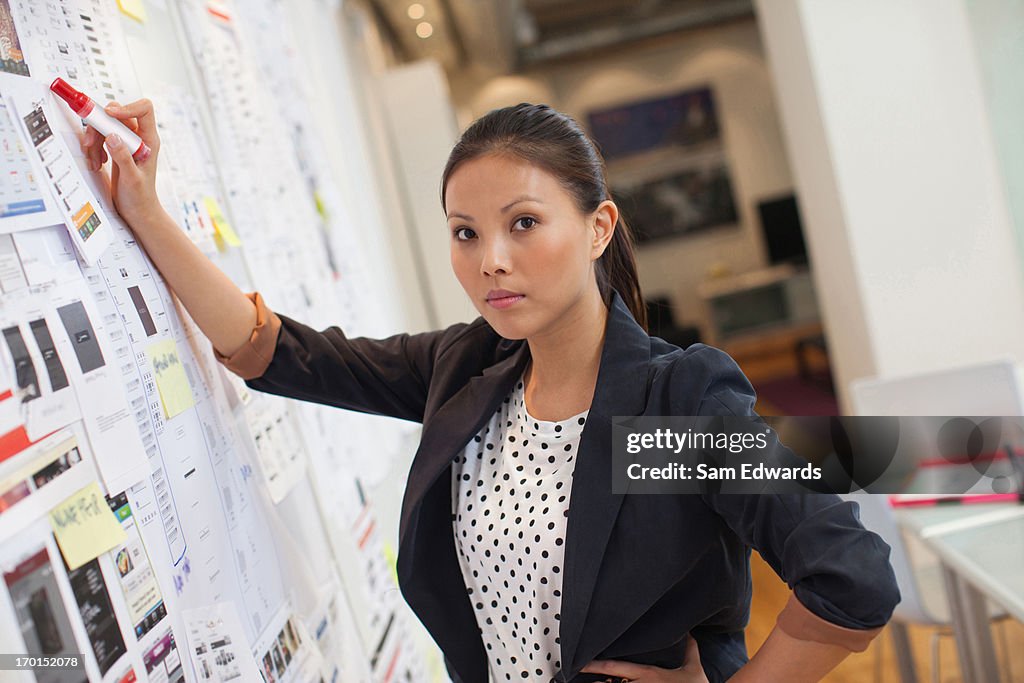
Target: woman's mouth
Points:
x,y
503,299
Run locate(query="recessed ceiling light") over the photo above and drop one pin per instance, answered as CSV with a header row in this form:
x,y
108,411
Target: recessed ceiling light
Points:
x,y
416,11
424,29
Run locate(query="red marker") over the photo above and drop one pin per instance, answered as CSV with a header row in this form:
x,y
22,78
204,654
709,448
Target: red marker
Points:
x,y
93,114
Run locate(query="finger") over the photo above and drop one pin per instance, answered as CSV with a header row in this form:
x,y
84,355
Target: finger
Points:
x,y
89,142
97,157
91,138
131,124
122,157
613,667
142,111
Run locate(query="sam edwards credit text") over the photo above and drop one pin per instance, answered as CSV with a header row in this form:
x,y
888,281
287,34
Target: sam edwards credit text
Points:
x,y
747,471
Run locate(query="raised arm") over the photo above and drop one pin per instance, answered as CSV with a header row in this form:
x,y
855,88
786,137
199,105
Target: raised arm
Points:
x,y
272,353
220,309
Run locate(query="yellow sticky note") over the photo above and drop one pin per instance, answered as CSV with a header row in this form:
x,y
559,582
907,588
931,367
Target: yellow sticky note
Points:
x,y
391,559
225,233
85,526
171,380
321,208
133,8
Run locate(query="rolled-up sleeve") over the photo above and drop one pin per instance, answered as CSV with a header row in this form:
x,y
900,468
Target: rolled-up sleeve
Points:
x,y
844,587
253,358
803,624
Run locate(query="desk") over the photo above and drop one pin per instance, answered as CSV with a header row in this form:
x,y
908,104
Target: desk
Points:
x,y
759,303
981,548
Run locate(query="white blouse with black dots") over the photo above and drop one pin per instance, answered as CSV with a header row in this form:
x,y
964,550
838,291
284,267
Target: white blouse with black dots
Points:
x,y
510,501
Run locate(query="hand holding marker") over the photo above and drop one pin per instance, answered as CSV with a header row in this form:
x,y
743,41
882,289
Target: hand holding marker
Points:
x,y
130,134
93,115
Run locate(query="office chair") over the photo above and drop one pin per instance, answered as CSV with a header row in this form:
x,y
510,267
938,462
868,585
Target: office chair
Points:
x,y
923,599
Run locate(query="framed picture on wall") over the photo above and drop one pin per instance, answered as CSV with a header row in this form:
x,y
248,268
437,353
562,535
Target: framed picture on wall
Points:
x,y
686,119
680,202
666,164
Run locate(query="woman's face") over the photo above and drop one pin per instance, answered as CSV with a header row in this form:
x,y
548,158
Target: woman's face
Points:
x,y
520,246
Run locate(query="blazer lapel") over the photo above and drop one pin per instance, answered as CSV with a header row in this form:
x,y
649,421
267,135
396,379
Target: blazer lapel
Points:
x,y
429,573
455,423
593,508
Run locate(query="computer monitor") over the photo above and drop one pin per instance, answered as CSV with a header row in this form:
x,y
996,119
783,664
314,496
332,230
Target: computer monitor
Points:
x,y
783,232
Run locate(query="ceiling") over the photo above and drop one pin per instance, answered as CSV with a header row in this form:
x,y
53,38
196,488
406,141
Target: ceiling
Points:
x,y
508,35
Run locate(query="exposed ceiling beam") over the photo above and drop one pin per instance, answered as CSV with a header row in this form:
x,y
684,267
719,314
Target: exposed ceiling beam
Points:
x,y
384,25
458,42
595,39
488,31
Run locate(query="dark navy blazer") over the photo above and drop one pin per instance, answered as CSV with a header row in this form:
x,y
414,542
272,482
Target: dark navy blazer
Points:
x,y
640,571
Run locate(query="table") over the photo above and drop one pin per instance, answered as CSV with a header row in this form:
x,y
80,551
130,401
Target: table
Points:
x,y
758,304
981,548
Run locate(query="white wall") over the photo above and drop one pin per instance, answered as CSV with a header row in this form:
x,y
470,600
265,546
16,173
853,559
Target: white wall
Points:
x,y
893,152
729,58
373,177
423,130
998,30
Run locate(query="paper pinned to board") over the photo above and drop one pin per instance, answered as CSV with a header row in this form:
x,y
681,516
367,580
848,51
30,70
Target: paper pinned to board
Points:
x,y
218,644
85,527
42,475
46,255
279,446
171,380
225,233
12,277
83,342
90,229
24,202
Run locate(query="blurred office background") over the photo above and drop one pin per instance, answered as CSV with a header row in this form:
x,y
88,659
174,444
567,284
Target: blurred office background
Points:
x,y
832,192
827,191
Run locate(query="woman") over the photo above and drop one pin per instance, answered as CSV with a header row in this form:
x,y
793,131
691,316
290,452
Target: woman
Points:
x,y
512,583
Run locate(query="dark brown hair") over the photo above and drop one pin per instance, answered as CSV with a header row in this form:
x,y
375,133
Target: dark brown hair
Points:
x,y
554,141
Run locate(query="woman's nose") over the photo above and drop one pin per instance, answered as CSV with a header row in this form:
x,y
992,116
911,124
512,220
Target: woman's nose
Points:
x,y
495,259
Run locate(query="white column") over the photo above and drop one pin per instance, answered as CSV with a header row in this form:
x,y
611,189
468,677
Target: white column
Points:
x,y
907,220
423,129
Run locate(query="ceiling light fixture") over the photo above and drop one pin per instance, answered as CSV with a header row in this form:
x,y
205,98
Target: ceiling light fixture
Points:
x,y
424,29
416,11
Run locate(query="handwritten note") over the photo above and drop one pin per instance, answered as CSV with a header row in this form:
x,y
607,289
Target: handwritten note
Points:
x,y
222,228
85,526
171,380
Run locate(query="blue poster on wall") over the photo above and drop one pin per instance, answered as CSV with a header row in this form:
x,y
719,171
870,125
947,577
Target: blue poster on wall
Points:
x,y
683,120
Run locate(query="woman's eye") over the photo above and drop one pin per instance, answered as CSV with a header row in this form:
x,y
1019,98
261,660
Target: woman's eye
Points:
x,y
464,234
526,222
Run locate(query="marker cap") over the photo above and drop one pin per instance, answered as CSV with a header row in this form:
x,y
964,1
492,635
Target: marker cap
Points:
x,y
79,102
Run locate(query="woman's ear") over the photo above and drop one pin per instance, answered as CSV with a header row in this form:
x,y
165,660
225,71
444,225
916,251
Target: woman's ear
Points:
x,y
603,222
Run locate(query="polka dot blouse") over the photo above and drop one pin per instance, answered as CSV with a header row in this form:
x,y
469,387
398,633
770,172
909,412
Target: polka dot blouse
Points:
x,y
510,501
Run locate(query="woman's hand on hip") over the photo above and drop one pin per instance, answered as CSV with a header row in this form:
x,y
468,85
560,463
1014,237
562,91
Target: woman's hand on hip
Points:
x,y
132,183
690,672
